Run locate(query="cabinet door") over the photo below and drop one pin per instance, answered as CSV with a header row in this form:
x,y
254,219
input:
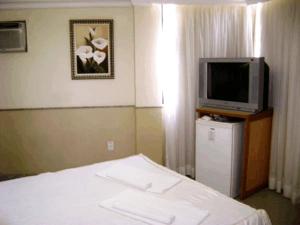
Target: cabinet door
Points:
x,y
213,157
257,163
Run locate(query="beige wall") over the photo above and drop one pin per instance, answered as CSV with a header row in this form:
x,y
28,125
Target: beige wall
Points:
x,y
150,133
34,141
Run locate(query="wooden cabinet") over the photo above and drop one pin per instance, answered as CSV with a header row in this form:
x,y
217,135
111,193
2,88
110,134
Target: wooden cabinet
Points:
x,y
257,142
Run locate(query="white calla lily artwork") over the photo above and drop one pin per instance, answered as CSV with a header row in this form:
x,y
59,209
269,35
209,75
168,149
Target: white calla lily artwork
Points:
x,y
99,57
92,49
84,52
100,43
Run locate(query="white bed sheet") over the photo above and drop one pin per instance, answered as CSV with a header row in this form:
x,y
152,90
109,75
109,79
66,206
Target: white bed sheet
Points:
x,y
72,197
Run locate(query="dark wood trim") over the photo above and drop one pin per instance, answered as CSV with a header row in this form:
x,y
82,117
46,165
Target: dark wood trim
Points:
x,y
261,115
224,112
245,159
148,107
235,114
5,177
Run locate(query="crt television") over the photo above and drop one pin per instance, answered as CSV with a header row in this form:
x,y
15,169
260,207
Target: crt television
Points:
x,y
234,83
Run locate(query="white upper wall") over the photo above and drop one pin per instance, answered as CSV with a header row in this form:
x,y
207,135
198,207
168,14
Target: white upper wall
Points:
x,y
19,4
147,21
42,76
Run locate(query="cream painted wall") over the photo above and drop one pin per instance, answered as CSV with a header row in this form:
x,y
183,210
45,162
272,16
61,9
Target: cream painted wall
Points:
x,y
42,76
147,23
34,141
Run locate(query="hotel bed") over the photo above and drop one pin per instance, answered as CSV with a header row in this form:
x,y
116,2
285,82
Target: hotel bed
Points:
x,y
96,195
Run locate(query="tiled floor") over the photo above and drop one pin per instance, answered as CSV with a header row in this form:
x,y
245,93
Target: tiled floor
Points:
x,y
280,209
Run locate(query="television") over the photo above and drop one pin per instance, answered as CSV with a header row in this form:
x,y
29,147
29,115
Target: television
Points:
x,y
234,83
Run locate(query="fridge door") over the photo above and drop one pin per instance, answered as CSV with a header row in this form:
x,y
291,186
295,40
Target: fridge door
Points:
x,y
213,155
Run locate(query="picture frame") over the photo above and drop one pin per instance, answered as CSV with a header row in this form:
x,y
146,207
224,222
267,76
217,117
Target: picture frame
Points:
x,y
92,49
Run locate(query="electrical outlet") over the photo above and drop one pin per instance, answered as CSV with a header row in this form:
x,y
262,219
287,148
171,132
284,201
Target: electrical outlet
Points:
x,y
110,146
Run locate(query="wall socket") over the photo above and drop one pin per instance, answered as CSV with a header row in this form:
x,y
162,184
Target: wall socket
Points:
x,y
110,145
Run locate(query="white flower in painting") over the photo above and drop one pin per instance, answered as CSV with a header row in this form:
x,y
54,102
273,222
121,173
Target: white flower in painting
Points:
x,y
92,31
99,57
100,43
84,52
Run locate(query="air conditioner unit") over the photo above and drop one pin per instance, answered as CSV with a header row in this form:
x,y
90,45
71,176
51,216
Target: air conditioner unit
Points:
x,y
13,36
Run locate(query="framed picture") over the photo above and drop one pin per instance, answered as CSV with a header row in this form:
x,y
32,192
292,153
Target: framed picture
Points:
x,y
92,49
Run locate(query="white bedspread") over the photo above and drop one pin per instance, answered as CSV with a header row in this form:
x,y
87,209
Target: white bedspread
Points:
x,y
72,197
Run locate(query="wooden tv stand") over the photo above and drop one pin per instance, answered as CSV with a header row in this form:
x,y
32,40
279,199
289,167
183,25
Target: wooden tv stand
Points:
x,y
257,142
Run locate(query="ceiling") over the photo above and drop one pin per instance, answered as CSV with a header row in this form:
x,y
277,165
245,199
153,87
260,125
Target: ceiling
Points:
x,y
18,4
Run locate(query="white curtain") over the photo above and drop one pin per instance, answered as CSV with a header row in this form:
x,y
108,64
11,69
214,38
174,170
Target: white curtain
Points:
x,y
272,30
281,45
191,32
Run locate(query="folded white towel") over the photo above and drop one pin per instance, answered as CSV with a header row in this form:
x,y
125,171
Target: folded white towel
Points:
x,y
153,210
144,211
140,178
128,175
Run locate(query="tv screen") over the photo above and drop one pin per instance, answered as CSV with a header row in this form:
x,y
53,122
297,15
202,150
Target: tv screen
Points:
x,y
228,81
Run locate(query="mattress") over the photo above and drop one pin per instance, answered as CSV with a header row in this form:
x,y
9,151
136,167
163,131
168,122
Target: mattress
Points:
x,y
72,197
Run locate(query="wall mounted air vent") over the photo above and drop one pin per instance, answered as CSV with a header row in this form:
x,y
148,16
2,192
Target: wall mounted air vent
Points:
x,y
13,36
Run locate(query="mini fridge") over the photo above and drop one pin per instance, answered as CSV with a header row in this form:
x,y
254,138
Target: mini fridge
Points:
x,y
219,151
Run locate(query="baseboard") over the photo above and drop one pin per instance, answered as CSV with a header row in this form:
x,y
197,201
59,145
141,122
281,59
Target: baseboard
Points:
x,y
4,177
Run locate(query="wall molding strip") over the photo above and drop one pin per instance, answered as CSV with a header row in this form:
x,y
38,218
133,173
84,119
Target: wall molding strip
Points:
x,y
148,107
67,107
82,107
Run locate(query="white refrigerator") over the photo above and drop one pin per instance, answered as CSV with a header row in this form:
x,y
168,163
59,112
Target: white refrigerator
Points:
x,y
219,151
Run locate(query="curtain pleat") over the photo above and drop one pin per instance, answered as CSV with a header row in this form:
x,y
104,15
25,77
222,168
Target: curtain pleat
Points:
x,y
281,47
198,31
